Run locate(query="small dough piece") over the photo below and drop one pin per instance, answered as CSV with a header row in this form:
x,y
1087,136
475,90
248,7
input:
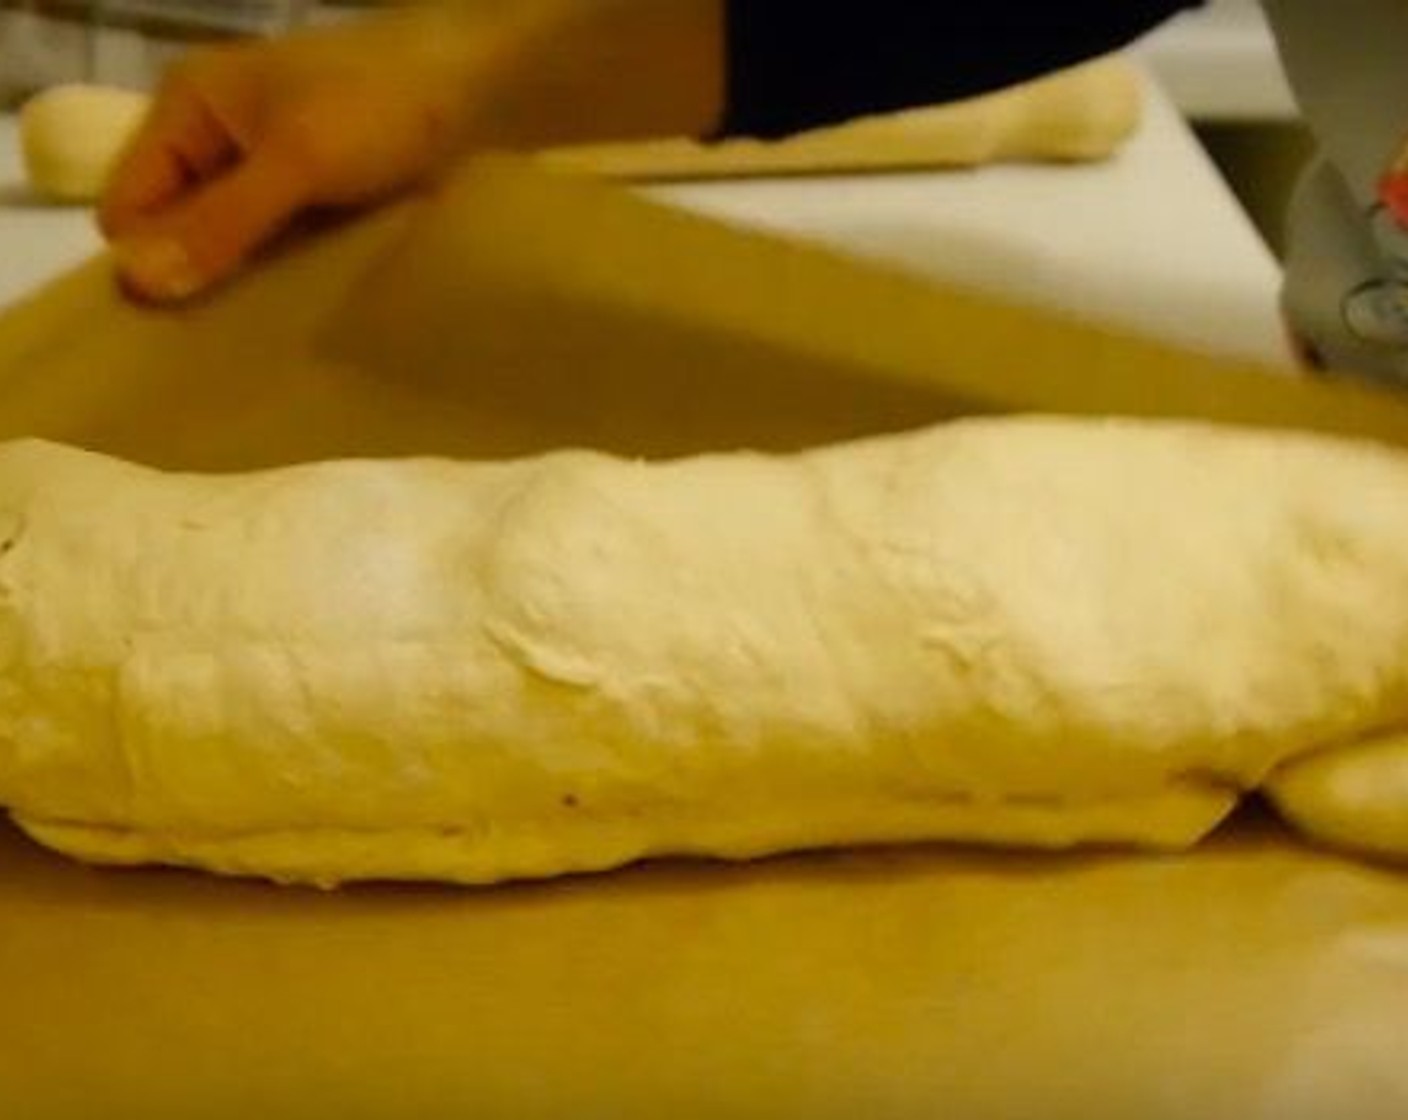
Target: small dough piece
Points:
x,y
1354,799
1040,632
73,135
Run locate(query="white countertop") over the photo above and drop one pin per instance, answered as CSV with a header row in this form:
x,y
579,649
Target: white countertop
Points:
x,y
37,241
1152,240
1220,63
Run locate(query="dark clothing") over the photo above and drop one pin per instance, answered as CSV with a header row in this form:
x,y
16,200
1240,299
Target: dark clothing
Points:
x,y
799,64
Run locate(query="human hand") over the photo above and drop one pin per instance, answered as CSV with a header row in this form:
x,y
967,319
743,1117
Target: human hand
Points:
x,y
242,138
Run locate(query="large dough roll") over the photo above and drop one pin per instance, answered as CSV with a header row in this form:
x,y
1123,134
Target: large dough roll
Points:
x,y
1022,631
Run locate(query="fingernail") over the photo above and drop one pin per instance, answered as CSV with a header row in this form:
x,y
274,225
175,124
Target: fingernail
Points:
x,y
158,268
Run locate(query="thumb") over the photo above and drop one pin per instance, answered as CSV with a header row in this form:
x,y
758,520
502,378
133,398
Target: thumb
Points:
x,y
207,237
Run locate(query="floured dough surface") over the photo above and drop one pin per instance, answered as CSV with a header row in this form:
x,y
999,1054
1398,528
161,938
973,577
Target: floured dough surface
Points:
x,y
1022,631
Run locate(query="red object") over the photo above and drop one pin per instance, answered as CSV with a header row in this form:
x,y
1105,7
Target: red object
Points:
x,y
1393,192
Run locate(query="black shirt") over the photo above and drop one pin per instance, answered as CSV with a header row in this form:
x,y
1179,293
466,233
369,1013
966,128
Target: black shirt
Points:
x,y
798,64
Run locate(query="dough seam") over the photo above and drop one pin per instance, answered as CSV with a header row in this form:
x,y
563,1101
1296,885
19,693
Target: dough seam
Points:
x,y
541,848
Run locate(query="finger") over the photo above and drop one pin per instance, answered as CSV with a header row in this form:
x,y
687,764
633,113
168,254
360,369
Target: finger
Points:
x,y
180,146
206,239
